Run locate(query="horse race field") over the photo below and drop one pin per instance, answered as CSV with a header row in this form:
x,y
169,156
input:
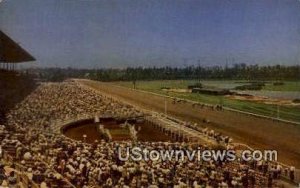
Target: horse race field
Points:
x,y
260,133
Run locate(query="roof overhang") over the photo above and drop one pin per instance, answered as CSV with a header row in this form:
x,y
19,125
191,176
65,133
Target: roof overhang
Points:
x,y
12,52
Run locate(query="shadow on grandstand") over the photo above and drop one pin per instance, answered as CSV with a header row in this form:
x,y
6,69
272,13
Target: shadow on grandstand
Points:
x,y
14,88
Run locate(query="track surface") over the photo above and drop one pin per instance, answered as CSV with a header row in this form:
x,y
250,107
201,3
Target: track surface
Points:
x,y
257,132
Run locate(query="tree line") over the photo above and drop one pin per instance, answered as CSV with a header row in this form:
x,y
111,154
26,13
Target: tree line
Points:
x,y
235,72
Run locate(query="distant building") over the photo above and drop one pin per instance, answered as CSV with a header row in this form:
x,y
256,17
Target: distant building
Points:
x,y
212,91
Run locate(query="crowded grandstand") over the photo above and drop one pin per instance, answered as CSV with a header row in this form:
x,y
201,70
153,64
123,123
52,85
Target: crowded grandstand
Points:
x,y
33,155
102,90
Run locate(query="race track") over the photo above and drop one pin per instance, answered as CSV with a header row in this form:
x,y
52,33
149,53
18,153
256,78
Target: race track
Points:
x,y
256,132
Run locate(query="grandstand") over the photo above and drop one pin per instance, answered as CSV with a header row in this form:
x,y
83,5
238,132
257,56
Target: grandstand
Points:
x,y
12,82
37,154
11,53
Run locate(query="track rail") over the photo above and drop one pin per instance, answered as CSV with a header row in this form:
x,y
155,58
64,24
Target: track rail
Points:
x,y
225,108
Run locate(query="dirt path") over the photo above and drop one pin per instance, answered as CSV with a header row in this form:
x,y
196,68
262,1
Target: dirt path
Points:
x,y
257,132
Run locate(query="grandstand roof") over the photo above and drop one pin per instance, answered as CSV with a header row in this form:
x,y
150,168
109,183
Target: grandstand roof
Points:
x,y
11,51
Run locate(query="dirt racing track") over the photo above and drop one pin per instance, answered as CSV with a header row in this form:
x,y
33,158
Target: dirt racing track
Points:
x,y
257,132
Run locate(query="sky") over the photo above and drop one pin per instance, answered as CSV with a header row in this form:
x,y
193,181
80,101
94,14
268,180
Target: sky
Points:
x,y
122,33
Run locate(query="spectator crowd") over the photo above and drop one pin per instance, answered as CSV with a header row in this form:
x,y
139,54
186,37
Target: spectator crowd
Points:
x,y
47,159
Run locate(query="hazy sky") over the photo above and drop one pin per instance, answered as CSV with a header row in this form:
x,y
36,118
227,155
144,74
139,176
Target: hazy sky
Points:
x,y
120,33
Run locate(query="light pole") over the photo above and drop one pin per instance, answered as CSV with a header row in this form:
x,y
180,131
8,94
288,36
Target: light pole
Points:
x,y
166,103
278,111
